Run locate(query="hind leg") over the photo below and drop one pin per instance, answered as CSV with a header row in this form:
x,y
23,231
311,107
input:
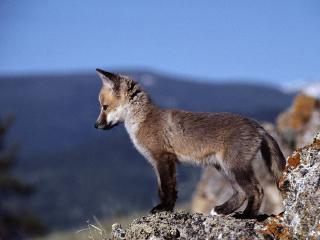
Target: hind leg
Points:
x,y
253,190
234,202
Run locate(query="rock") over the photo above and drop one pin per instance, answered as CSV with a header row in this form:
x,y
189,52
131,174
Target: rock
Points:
x,y
311,127
117,231
300,188
301,192
299,121
181,225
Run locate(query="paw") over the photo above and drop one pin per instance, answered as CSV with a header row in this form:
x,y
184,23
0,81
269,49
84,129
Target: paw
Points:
x,y
220,210
161,208
214,213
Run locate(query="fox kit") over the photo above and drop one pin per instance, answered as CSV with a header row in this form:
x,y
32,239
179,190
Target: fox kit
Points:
x,y
165,137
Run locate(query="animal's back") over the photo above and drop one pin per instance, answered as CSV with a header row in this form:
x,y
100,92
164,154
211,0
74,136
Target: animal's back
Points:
x,y
199,135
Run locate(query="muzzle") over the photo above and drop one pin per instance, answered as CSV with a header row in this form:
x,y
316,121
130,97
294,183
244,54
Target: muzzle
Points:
x,y
104,126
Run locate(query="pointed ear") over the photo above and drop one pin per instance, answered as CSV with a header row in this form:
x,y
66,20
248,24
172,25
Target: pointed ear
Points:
x,y
108,79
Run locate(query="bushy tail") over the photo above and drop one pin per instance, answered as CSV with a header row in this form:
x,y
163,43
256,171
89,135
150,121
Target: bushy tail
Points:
x,y
273,156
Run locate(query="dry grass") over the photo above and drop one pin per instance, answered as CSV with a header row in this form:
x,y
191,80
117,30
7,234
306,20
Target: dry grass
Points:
x,y
94,230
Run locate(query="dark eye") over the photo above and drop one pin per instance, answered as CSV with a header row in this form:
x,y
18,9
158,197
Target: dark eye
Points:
x,y
104,107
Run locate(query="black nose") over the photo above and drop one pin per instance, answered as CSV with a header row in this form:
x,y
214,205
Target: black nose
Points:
x,y
96,125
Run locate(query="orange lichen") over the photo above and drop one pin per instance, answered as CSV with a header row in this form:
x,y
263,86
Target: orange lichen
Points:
x,y
316,234
277,230
302,110
300,113
315,145
294,160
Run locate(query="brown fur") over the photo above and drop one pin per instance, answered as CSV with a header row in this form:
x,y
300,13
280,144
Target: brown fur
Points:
x,y
166,136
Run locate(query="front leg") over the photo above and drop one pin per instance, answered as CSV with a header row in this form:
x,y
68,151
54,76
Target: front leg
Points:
x,y
165,168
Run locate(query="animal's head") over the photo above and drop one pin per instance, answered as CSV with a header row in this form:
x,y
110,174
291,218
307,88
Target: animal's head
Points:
x,y
115,95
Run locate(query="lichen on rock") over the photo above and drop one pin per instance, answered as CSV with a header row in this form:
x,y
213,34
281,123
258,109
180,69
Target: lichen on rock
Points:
x,y
302,193
181,225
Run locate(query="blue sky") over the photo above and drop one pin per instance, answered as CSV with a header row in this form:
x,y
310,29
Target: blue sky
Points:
x,y
277,41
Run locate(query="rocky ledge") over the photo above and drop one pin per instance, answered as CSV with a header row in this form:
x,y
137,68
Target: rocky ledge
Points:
x,y
300,188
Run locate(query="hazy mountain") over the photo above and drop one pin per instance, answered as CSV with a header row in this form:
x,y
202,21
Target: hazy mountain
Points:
x,y
81,171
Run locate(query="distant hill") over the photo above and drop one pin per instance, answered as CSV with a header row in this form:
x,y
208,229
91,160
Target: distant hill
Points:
x,y
80,171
